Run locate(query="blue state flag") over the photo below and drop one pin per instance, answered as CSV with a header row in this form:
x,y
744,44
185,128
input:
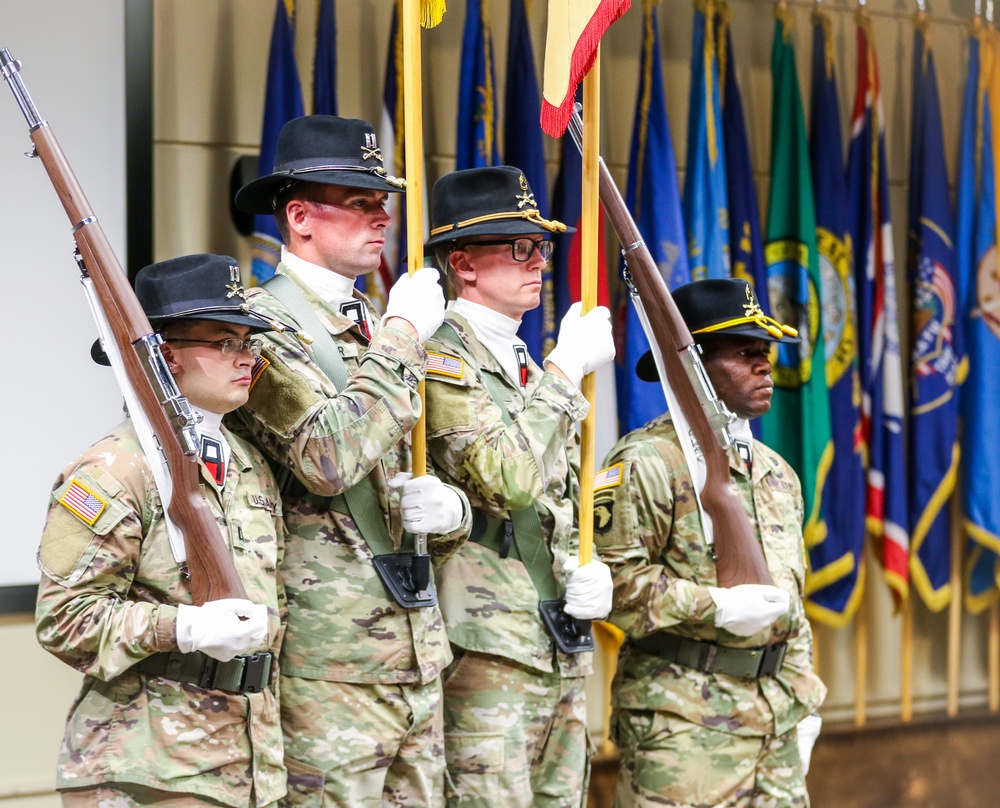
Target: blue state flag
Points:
x,y
705,204
523,148
476,141
325,63
879,357
834,580
653,198
282,102
980,397
937,364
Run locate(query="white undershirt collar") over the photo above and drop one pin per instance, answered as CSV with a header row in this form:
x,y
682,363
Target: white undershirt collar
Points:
x,y
496,331
329,285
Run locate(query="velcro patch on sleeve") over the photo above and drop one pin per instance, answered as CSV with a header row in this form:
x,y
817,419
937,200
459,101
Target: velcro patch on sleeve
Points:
x,y
609,477
84,503
259,366
443,365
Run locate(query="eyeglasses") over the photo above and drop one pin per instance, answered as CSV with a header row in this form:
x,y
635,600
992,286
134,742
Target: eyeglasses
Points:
x,y
521,249
229,347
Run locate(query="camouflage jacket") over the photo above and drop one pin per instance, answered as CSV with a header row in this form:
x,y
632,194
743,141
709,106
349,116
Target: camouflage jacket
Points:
x,y
489,603
648,530
108,599
343,626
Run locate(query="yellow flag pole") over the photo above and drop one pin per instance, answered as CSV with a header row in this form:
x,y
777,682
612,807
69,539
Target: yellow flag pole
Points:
x,y
589,223
413,145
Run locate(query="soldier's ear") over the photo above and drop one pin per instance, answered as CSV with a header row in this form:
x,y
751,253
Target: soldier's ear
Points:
x,y
458,260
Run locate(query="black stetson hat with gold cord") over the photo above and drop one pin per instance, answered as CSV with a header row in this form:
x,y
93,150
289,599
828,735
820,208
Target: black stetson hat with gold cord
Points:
x,y
323,149
494,201
725,307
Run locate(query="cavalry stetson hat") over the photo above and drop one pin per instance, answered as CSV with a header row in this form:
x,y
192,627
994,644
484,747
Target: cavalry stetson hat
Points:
x,y
720,307
323,149
495,201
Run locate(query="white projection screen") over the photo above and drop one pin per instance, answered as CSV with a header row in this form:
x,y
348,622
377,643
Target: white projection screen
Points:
x,y
54,401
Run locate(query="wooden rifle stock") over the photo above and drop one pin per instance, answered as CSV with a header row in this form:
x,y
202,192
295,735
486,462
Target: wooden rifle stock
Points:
x,y
213,574
739,555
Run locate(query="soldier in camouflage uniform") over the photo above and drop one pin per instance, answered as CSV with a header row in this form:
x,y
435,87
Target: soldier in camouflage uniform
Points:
x,y
360,686
172,711
504,430
714,686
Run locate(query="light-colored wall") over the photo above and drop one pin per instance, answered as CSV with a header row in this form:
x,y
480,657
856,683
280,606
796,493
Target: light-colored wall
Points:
x,y
210,63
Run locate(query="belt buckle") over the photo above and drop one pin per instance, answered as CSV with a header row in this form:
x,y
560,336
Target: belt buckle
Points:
x,y
706,660
208,670
256,672
771,658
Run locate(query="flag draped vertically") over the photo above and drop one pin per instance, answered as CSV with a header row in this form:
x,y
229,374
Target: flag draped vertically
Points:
x,y
978,283
705,203
878,328
523,148
476,141
834,581
937,364
325,63
653,198
282,102
573,32
798,424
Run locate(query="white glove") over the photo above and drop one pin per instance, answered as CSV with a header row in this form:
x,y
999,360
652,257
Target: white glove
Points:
x,y
428,505
418,299
219,629
746,609
808,732
588,589
585,343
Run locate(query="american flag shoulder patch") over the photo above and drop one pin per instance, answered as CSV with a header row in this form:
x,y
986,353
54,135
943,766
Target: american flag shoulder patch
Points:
x,y
259,366
82,502
609,477
444,365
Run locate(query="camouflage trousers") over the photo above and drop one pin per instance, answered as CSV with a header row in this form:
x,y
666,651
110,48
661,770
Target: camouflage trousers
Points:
x,y
514,737
134,795
666,760
360,746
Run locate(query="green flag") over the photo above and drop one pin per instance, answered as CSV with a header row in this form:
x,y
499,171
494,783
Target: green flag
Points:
x,y
798,424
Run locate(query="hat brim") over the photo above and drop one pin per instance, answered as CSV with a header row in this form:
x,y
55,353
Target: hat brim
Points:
x,y
646,370
496,227
258,196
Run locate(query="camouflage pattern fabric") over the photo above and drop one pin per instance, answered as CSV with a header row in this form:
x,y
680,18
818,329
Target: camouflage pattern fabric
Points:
x,y
648,530
135,797
666,760
108,598
515,737
343,625
490,603
369,745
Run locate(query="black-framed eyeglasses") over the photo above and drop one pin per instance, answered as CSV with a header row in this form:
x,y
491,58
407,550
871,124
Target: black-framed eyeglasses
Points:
x,y
521,249
229,347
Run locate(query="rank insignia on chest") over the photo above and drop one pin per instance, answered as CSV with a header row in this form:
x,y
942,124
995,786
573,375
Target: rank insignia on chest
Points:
x,y
444,365
609,477
83,502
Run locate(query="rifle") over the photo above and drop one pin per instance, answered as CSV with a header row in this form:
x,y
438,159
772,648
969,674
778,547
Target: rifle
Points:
x,y
739,556
169,415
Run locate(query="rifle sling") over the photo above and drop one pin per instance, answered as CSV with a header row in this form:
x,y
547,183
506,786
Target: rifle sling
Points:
x,y
360,499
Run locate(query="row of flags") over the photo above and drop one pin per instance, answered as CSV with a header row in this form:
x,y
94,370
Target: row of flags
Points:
x,y
875,443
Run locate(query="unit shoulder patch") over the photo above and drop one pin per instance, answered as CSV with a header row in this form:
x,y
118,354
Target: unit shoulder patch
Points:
x,y
441,364
259,366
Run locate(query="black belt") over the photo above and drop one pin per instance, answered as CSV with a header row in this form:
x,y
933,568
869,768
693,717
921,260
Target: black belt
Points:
x,y
709,657
250,673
